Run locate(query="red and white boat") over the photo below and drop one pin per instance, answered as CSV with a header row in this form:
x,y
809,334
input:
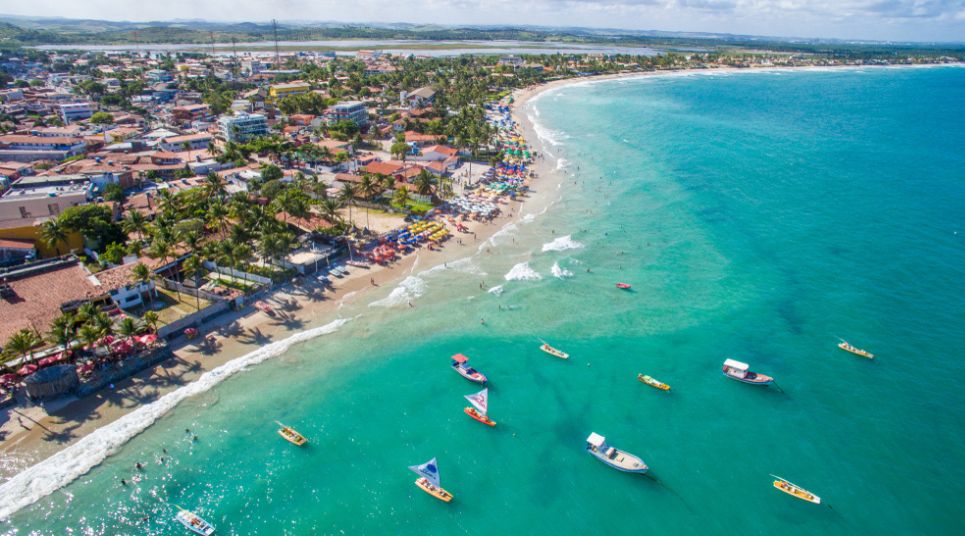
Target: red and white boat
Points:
x,y
480,405
460,364
624,286
736,370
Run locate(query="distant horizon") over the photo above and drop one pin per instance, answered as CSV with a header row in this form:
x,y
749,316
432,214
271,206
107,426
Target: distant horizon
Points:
x,y
896,21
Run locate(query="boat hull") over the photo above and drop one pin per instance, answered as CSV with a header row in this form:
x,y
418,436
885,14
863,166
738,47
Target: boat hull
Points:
x,y
554,352
478,377
438,493
758,379
299,441
856,351
653,383
623,468
479,417
797,492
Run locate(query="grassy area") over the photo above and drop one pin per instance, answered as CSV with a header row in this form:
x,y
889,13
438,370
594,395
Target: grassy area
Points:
x,y
174,308
233,283
415,207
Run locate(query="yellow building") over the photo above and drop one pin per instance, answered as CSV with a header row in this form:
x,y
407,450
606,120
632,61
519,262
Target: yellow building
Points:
x,y
277,92
30,230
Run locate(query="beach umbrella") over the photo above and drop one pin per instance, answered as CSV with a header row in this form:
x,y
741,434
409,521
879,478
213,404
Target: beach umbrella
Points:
x,y
9,378
27,369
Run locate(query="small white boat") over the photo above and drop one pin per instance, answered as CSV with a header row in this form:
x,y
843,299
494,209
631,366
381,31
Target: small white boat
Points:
x,y
554,351
194,523
614,457
736,370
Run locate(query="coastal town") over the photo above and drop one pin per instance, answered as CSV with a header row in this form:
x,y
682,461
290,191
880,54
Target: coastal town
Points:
x,y
150,199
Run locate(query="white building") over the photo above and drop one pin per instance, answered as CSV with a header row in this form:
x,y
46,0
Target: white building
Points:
x,y
349,111
76,111
242,127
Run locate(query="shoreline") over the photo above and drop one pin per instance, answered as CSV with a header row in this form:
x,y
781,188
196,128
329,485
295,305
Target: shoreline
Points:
x,y
44,453
242,335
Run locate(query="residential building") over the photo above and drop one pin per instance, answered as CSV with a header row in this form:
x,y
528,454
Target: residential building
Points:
x,y
242,127
194,142
349,111
24,148
190,113
34,201
277,92
76,111
418,98
15,251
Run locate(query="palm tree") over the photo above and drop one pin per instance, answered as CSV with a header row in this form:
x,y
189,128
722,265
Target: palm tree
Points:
x,y
217,213
128,327
143,275
22,343
401,198
62,331
151,318
134,222
424,182
214,185
241,251
348,196
53,232
368,188
194,267
89,335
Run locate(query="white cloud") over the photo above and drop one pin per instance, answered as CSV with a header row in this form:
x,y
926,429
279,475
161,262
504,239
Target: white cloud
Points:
x,y
875,19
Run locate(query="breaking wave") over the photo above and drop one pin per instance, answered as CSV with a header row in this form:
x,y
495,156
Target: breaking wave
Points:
x,y
562,243
522,272
560,272
409,289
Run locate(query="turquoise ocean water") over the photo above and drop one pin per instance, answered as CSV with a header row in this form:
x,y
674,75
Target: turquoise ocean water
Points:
x,y
758,216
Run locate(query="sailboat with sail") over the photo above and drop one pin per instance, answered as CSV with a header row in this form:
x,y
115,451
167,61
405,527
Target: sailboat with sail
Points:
x,y
428,480
480,405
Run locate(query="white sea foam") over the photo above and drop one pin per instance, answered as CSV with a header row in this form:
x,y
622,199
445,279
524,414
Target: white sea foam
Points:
x,y
464,265
549,136
409,289
527,218
522,272
65,466
560,272
346,298
503,235
496,291
562,243
561,163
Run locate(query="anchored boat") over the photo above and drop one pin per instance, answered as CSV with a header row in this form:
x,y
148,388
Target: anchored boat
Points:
x,y
460,364
736,370
193,522
428,480
291,435
554,352
795,491
653,382
480,402
846,346
624,286
614,457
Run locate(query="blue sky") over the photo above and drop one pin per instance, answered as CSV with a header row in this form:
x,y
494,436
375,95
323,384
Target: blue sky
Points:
x,y
917,20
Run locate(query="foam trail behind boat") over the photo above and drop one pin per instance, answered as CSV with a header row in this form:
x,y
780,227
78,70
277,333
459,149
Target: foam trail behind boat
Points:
x,y
64,467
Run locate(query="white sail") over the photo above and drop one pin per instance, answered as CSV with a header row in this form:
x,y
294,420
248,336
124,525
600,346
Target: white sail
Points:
x,y
480,400
429,470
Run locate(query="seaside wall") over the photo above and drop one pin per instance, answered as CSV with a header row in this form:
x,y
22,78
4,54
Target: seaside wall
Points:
x,y
237,273
128,367
194,319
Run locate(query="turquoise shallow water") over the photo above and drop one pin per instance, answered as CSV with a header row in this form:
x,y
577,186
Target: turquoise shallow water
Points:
x,y
758,216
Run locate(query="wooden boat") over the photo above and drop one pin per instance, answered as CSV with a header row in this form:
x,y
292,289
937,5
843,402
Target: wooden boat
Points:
x,y
193,522
554,352
624,286
736,370
291,435
460,365
795,491
844,345
480,402
652,382
428,480
597,446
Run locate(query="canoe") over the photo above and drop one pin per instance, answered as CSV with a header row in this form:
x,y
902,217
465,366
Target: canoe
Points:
x,y
652,382
844,345
554,352
436,492
194,523
795,491
624,286
291,435
472,412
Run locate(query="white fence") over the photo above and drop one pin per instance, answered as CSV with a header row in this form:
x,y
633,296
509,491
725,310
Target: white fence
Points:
x,y
238,274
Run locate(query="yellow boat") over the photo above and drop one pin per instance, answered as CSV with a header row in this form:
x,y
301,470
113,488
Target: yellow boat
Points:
x,y
291,435
436,492
844,345
652,382
795,491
